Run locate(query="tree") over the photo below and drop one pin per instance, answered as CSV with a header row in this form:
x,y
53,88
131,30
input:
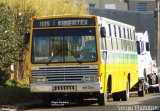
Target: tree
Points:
x,y
13,26
15,22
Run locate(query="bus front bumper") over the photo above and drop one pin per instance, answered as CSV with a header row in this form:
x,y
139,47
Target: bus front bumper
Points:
x,y
81,87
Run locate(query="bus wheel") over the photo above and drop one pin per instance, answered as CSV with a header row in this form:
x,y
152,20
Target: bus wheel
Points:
x,y
125,94
157,79
141,90
157,89
116,97
102,99
151,90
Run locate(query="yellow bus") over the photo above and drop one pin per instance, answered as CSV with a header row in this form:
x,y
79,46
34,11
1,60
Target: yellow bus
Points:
x,y
78,57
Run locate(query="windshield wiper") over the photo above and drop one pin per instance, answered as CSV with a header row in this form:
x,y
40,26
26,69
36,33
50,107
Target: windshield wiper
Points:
x,y
50,60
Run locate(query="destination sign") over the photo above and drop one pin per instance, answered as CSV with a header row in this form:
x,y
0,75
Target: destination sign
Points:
x,y
64,22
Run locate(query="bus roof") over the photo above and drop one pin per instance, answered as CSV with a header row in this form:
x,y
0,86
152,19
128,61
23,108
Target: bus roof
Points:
x,y
64,16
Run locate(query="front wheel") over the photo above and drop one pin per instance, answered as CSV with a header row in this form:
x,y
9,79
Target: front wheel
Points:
x,y
102,99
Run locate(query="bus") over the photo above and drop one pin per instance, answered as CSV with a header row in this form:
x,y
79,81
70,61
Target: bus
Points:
x,y
76,57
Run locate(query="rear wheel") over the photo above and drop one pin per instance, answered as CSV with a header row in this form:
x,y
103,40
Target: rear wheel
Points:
x,y
125,94
102,99
141,90
116,96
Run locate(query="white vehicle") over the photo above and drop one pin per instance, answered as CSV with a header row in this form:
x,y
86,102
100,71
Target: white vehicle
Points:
x,y
146,66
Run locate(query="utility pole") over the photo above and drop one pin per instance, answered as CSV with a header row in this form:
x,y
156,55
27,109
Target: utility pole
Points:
x,y
158,33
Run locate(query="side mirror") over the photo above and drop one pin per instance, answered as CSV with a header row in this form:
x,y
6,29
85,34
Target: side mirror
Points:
x,y
147,46
103,32
26,38
138,47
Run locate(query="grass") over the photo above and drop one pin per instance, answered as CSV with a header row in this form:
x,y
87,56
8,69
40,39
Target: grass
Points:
x,y
15,95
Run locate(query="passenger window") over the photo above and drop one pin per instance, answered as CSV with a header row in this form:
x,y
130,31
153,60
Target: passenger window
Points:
x,y
119,44
119,32
114,41
128,34
133,34
109,44
124,32
109,27
115,31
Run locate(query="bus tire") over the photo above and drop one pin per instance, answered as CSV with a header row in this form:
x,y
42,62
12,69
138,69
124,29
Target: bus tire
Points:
x,y
151,90
150,80
102,99
156,79
125,94
157,89
141,91
116,96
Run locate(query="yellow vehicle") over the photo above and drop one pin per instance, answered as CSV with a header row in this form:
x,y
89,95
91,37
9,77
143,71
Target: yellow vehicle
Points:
x,y
79,57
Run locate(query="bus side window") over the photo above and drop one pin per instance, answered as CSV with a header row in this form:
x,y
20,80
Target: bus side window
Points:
x,y
134,46
133,35
109,43
119,44
124,32
129,46
115,31
128,34
126,45
119,29
114,41
110,32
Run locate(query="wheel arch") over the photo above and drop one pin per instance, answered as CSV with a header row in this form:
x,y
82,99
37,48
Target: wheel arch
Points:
x,y
109,84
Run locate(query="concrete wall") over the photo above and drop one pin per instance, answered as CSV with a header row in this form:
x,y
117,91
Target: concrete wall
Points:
x,y
119,4
133,4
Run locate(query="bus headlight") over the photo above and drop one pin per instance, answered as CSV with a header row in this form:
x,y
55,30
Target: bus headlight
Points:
x,y
90,78
38,80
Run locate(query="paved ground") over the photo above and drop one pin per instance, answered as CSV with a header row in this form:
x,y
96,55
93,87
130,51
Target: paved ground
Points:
x,y
151,102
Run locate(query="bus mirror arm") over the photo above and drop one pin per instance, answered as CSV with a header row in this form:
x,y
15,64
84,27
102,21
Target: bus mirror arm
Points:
x,y
26,38
103,32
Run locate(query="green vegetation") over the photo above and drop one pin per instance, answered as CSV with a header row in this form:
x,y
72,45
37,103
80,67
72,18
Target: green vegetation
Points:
x,y
15,22
15,18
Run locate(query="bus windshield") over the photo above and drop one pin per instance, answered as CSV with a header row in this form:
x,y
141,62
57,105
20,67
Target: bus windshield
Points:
x,y
64,45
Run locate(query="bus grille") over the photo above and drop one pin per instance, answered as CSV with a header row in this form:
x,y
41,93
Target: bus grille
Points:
x,y
64,74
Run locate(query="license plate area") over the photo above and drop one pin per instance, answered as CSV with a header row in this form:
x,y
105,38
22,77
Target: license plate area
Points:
x,y
64,88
